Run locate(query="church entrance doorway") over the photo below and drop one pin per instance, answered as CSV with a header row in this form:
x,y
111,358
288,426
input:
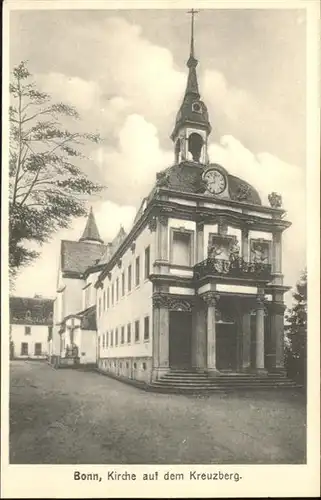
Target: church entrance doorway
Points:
x,y
226,350
180,339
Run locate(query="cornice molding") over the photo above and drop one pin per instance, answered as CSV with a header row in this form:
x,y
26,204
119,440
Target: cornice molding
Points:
x,y
158,207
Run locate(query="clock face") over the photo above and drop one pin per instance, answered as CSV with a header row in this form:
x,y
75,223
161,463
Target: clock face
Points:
x,y
215,181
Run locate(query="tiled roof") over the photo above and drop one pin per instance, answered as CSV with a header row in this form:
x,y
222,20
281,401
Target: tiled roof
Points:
x,y
77,256
31,311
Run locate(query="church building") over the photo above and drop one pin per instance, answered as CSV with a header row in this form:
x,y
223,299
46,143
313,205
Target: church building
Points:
x,y
195,289
196,286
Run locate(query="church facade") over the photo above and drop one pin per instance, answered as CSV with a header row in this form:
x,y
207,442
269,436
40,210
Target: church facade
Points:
x,y
196,285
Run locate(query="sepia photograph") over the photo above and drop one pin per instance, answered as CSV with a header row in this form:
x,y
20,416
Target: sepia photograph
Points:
x,y
157,238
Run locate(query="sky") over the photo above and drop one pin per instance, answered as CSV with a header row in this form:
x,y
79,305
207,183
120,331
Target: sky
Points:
x,y
125,71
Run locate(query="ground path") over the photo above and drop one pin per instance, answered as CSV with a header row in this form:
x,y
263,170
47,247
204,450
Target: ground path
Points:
x,y
75,417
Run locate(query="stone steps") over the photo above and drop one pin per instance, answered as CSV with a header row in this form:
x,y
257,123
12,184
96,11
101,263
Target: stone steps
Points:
x,y
187,381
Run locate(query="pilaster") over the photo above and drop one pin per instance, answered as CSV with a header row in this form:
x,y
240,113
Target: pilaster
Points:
x,y
199,242
160,337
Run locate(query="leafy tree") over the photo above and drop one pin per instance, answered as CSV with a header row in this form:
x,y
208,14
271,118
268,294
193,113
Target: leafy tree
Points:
x,y
47,187
296,331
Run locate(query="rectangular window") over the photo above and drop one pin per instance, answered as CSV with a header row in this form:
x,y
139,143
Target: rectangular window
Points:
x,y
27,330
123,284
38,349
99,307
117,290
137,271
147,262
129,278
122,337
137,331
108,298
103,341
49,333
24,349
116,336
107,338
112,338
146,328
112,294
182,248
104,303
129,333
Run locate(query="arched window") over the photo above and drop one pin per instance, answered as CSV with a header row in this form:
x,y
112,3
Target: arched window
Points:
x,y
195,144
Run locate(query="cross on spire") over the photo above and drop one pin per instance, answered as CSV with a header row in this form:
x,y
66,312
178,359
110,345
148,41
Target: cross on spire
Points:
x,y
192,12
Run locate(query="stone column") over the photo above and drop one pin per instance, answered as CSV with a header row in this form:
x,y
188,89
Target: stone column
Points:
x,y
277,335
199,348
199,242
260,335
246,341
245,244
160,336
211,300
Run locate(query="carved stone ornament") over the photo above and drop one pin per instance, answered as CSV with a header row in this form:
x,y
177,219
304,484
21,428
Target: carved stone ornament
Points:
x,y
171,303
163,219
133,247
260,250
211,299
119,263
152,224
166,210
243,192
275,200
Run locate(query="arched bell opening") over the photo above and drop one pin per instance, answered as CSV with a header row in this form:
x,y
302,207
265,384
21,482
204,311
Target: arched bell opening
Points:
x,y
195,145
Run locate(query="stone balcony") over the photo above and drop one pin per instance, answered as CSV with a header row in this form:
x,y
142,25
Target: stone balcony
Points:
x,y
237,268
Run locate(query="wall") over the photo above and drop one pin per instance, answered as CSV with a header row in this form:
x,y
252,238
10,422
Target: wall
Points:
x,y
39,333
134,305
88,347
73,296
89,294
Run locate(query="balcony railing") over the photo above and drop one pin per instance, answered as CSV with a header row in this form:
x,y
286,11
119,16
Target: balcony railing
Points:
x,y
237,268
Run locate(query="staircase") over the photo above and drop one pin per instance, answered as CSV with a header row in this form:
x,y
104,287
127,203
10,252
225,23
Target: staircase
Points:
x,y
192,382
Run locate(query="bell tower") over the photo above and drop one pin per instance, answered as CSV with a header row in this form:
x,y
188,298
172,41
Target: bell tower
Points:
x,y
192,126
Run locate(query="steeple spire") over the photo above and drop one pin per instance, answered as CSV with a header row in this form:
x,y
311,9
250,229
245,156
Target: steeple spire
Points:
x,y
192,126
91,232
192,84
